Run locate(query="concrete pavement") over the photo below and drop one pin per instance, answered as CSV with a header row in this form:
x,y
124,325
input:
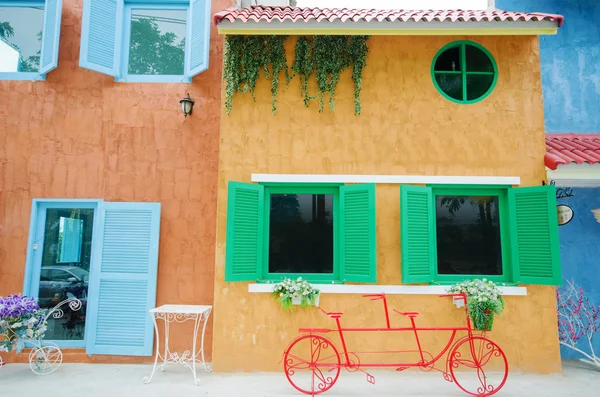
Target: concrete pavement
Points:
x,y
97,380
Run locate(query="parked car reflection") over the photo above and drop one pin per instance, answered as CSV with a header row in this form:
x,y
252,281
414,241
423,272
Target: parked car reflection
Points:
x,y
58,281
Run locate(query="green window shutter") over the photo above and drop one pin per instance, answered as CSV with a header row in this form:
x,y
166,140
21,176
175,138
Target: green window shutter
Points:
x,y
417,234
358,233
534,235
245,230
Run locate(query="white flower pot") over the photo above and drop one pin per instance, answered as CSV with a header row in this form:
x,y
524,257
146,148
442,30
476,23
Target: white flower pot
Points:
x,y
296,301
458,301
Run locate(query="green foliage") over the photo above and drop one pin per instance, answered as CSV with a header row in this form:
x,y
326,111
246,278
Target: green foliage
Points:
x,y
328,56
232,68
483,301
275,56
330,61
152,52
288,289
304,66
243,59
357,52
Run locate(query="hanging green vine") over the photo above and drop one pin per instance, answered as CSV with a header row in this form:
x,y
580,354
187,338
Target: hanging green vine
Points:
x,y
328,56
275,56
253,55
303,65
331,59
232,68
357,53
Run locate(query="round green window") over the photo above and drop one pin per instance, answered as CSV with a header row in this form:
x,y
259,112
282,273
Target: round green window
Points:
x,y
464,72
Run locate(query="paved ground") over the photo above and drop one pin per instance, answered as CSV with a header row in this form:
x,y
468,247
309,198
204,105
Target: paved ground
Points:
x,y
96,380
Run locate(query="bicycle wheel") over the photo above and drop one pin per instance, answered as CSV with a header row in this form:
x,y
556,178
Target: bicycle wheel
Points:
x,y
45,359
478,366
312,364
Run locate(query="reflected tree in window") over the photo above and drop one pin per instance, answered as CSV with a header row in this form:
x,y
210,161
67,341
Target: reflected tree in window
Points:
x,y
152,52
29,64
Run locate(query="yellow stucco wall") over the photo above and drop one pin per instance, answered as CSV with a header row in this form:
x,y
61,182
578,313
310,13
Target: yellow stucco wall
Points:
x,y
406,127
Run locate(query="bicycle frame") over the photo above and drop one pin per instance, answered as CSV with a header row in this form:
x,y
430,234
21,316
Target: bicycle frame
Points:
x,y
318,357
411,315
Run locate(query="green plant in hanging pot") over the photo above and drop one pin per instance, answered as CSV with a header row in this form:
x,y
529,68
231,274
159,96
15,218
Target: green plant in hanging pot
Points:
x,y
483,301
295,292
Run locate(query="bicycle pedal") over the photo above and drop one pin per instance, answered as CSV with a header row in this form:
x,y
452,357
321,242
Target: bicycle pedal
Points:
x,y
370,379
399,369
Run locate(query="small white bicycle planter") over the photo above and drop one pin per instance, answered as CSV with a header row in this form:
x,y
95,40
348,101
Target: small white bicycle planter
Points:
x,y
46,357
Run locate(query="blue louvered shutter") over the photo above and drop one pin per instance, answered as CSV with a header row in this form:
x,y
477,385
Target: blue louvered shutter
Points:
x,y
358,246
198,37
123,279
101,35
417,234
50,35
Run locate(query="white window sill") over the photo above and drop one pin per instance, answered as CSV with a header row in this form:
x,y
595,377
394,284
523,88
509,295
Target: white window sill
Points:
x,y
387,289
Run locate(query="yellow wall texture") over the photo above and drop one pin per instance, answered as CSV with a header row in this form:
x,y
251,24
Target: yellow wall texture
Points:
x,y
406,127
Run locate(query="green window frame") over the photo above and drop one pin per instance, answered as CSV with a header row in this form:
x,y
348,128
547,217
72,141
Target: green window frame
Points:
x,y
502,195
528,234
464,71
247,240
299,189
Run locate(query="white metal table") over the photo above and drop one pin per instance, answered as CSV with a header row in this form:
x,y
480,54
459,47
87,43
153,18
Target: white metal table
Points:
x,y
180,314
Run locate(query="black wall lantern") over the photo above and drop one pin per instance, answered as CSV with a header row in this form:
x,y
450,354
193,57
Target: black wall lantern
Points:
x,y
187,105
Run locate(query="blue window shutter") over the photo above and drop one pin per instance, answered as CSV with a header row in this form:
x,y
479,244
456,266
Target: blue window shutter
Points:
x,y
50,35
198,37
123,279
101,35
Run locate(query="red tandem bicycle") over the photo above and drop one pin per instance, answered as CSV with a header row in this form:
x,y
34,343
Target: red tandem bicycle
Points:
x,y
476,364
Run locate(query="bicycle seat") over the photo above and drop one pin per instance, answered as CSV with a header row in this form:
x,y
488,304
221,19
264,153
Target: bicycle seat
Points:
x,y
407,314
334,314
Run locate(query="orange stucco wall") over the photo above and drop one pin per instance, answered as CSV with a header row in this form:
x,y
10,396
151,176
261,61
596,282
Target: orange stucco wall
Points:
x,y
81,135
406,127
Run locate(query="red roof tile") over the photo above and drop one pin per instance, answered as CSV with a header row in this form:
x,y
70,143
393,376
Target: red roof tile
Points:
x,y
295,14
571,148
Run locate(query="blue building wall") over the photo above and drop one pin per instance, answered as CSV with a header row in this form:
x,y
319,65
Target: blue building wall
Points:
x,y
580,250
570,63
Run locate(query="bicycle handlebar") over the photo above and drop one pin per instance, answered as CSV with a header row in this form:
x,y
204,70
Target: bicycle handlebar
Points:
x,y
374,297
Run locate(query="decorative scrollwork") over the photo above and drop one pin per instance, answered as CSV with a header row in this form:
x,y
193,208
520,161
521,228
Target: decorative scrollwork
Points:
x,y
57,312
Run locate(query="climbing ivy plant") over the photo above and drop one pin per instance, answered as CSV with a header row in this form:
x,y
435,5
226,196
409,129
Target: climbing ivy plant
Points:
x,y
324,56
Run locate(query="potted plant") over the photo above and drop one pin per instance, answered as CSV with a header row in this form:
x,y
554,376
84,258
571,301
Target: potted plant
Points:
x,y
483,301
21,319
295,292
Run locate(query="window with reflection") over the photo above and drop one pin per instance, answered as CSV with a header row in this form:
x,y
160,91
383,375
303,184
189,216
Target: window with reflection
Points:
x,y
65,269
301,233
21,38
468,235
156,41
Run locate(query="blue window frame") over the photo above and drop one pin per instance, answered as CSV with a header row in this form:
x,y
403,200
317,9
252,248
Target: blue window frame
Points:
x,y
157,52
29,38
106,255
114,42
48,278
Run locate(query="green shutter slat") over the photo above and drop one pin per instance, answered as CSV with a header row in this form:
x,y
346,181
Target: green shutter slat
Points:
x,y
534,235
417,234
245,218
358,256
